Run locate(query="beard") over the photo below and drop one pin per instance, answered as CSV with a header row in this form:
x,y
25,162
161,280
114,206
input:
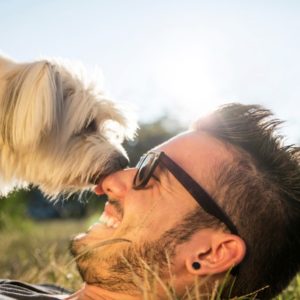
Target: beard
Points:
x,y
129,265
128,268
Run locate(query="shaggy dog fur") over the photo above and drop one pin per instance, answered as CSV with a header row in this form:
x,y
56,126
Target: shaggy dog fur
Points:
x,y
57,129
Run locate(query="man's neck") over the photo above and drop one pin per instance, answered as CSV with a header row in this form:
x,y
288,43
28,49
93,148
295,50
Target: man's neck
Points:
x,y
91,292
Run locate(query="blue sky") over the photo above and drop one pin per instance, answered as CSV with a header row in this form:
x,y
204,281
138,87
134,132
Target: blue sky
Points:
x,y
181,57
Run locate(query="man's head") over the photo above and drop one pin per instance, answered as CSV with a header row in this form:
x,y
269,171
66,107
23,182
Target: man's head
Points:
x,y
234,156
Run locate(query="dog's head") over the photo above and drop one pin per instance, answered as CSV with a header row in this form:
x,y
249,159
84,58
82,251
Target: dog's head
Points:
x,y
57,129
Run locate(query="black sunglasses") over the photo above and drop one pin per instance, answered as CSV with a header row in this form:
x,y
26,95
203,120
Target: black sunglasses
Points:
x,y
145,168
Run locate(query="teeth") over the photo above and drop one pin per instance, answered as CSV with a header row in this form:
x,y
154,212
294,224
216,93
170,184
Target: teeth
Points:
x,y
116,224
103,218
109,221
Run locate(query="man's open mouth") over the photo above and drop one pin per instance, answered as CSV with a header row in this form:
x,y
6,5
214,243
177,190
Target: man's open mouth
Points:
x,y
112,214
109,221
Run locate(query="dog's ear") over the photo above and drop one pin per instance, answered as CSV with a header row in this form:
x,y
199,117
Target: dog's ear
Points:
x,y
30,104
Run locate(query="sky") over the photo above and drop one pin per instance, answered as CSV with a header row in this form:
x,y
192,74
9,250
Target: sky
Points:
x,y
183,58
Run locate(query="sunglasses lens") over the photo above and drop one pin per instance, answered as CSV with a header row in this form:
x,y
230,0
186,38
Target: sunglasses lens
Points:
x,y
144,170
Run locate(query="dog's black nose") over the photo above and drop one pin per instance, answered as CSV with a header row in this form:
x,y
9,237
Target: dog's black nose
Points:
x,y
123,161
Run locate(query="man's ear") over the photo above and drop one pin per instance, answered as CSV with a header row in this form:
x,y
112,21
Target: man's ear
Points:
x,y
213,252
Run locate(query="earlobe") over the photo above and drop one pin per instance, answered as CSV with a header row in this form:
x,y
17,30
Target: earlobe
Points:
x,y
201,258
193,267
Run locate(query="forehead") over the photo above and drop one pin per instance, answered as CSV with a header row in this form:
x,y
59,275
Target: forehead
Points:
x,y
198,153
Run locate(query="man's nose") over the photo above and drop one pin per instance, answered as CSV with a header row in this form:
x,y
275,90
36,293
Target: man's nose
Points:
x,y
116,185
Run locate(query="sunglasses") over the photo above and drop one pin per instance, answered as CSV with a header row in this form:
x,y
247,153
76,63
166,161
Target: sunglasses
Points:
x,y
145,168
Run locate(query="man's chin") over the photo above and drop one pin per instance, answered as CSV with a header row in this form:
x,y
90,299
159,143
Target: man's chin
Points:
x,y
94,265
82,245
97,245
77,245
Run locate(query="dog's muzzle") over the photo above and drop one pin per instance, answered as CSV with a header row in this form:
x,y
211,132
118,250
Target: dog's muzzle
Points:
x,y
115,165
123,162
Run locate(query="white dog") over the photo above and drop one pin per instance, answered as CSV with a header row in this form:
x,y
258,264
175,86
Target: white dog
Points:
x,y
57,130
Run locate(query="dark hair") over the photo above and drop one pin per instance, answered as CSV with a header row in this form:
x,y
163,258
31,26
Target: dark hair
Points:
x,y
260,191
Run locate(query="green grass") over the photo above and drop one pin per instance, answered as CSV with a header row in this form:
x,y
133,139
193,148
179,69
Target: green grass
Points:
x,y
37,252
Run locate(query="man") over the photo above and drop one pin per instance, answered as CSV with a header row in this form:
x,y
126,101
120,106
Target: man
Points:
x,y
217,204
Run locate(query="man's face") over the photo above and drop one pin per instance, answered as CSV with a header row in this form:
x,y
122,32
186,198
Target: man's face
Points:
x,y
139,225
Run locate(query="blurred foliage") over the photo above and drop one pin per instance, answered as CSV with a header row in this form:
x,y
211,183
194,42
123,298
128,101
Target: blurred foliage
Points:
x,y
40,253
12,209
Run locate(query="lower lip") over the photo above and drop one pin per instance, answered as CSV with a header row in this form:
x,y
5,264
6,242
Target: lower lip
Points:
x,y
100,225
